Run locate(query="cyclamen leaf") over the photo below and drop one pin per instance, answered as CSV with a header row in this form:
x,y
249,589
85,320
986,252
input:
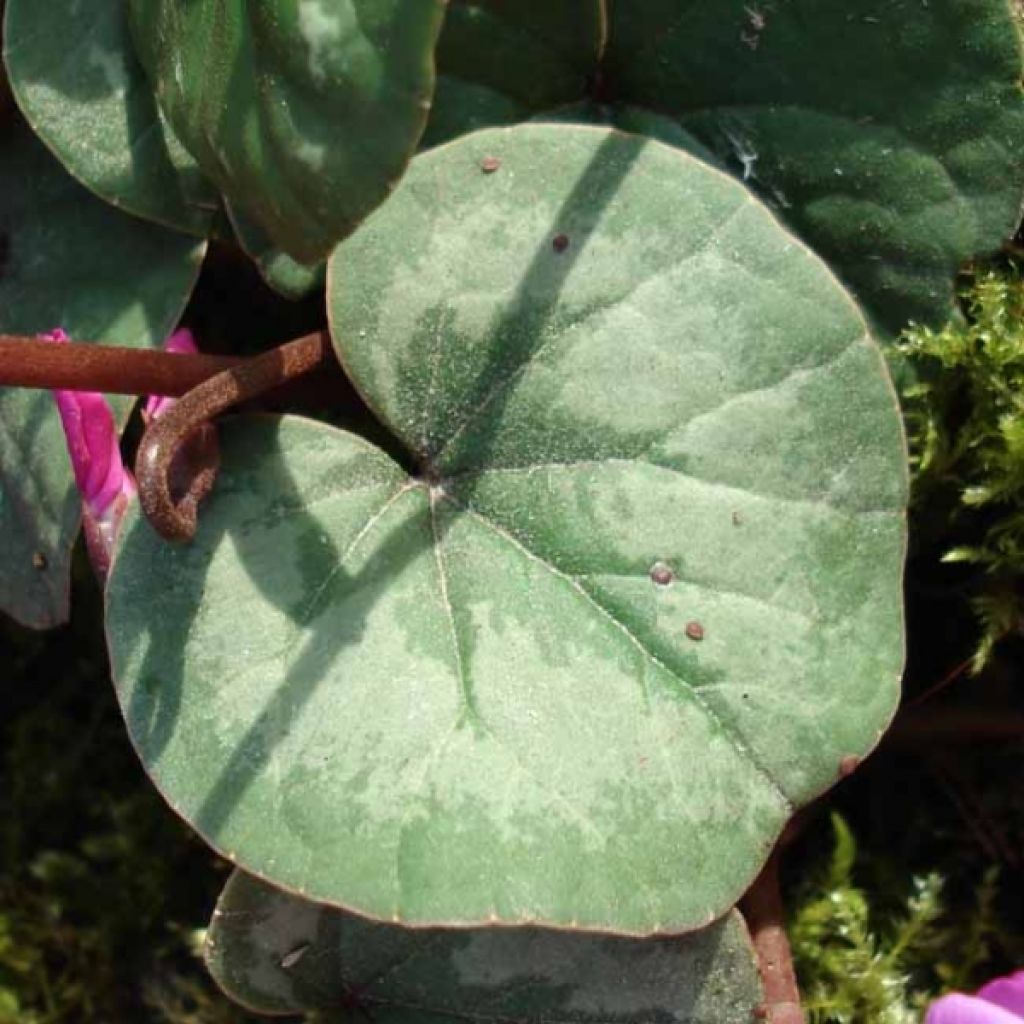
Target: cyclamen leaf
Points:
x,y
889,136
642,599
276,953
888,133
287,277
310,111
499,63
70,260
81,87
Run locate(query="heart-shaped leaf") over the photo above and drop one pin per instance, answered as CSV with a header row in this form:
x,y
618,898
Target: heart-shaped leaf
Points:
x,y
81,87
499,63
889,135
310,111
66,260
641,599
275,953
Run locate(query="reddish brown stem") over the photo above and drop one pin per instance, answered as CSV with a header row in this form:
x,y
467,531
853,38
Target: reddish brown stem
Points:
x,y
30,363
947,680
176,519
955,725
762,907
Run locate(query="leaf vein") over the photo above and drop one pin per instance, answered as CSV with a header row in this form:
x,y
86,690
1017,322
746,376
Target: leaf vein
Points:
x,y
729,732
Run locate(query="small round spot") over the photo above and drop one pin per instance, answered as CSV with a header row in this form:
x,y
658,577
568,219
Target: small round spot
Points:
x,y
737,519
662,574
848,765
39,561
694,630
489,164
560,243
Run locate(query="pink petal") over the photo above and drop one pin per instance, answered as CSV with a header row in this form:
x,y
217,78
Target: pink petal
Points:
x,y
180,342
93,446
104,484
93,442
1006,992
156,406
956,1008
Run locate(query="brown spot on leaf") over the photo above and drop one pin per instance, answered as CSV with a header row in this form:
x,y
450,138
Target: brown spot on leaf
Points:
x,y
560,243
489,164
39,561
737,519
848,765
662,574
694,630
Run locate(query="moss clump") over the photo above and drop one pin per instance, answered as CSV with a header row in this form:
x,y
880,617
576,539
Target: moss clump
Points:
x,y
965,420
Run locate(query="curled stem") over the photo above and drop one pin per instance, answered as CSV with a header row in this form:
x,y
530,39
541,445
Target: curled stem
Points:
x,y
176,519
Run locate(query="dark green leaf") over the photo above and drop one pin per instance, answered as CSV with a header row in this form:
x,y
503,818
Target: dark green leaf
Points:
x,y
641,601
276,953
287,277
66,260
499,63
888,133
81,87
637,120
310,110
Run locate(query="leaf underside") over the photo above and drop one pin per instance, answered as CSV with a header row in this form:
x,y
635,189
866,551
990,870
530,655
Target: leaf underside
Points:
x,y
71,261
641,599
277,954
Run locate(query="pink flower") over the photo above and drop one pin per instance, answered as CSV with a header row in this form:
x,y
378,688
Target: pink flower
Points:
x,y
104,483
179,342
999,1002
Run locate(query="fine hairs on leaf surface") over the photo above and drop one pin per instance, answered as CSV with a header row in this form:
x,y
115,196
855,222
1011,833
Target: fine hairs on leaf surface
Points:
x,y
481,689
277,954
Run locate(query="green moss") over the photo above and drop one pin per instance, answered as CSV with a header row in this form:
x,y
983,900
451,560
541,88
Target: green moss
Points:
x,y
874,942
965,420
